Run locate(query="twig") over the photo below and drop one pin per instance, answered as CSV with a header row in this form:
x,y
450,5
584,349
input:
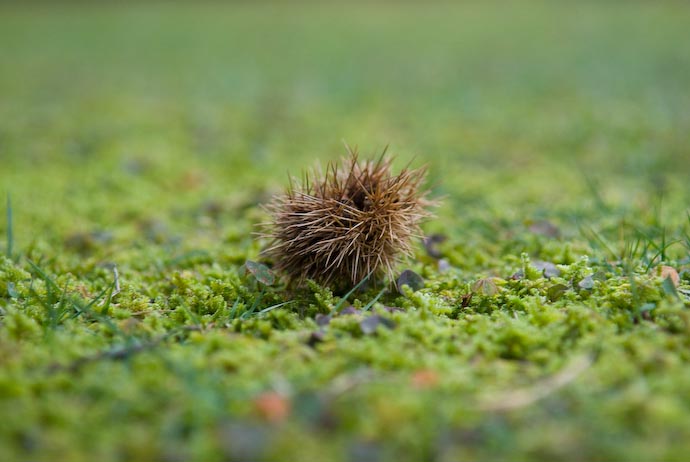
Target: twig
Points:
x,y
117,353
114,354
523,397
115,287
117,282
347,382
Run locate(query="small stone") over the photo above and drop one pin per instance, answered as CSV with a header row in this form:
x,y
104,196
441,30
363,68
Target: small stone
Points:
x,y
430,243
586,283
545,228
547,268
518,275
393,309
322,319
315,338
370,324
411,279
349,310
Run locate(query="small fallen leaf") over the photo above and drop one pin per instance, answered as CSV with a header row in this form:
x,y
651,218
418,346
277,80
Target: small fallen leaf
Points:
x,y
485,287
272,407
556,291
260,272
411,279
669,272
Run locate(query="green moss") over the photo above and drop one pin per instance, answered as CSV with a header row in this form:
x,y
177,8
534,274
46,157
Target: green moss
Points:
x,y
12,279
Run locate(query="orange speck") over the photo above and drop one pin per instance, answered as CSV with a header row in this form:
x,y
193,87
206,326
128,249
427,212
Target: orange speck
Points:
x,y
272,407
669,272
424,378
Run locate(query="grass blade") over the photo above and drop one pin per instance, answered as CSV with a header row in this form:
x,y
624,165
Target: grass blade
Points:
x,y
257,300
271,308
337,307
375,299
233,310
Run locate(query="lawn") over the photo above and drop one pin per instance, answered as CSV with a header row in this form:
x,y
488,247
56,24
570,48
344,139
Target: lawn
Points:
x,y
139,142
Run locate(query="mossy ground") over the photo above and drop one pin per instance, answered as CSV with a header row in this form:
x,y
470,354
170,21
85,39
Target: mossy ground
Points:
x,y
144,138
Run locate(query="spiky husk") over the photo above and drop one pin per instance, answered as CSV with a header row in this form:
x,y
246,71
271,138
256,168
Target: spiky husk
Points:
x,y
354,221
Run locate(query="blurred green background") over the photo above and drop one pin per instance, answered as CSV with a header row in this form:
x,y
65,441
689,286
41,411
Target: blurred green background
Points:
x,y
504,100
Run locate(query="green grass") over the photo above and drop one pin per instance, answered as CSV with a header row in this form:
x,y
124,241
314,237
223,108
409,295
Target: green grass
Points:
x,y
137,143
